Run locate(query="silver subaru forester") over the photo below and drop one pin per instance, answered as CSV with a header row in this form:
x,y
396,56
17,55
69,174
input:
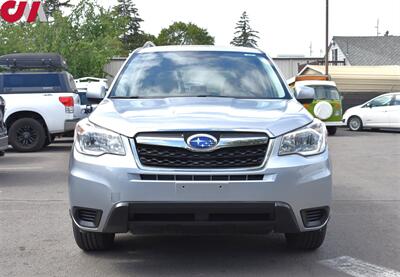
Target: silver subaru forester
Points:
x,y
200,137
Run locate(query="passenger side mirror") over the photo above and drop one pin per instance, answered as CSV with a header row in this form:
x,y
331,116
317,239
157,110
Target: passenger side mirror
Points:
x,y
305,95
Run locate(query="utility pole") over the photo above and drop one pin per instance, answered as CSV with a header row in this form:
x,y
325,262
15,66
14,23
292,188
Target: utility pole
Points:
x,y
377,28
311,52
327,38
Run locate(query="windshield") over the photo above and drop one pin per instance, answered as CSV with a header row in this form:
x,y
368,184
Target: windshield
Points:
x,y
202,74
326,92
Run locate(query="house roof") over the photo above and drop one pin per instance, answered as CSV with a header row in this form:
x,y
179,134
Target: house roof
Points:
x,y
376,50
360,78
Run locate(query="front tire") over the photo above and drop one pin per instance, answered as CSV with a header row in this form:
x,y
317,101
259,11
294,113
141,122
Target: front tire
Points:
x,y
49,140
310,240
355,123
331,130
27,135
91,241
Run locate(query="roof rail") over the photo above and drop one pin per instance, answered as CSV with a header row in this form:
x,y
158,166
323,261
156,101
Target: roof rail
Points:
x,y
148,44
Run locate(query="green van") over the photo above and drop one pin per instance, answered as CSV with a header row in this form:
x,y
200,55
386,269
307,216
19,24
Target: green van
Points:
x,y
327,105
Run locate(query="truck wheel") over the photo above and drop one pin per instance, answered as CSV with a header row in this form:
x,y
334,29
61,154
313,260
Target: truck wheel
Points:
x,y
91,241
331,130
355,123
27,135
49,140
310,240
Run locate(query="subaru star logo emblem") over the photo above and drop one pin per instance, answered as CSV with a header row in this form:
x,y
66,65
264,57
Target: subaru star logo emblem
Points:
x,y
201,142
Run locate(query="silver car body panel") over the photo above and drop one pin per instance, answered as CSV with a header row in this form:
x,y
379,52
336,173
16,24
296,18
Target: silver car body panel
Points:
x,y
129,117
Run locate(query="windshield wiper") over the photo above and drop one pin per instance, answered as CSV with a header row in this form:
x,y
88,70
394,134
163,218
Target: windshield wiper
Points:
x,y
208,95
124,97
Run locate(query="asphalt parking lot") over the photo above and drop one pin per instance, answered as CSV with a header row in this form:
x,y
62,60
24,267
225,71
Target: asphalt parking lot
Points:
x,y
363,235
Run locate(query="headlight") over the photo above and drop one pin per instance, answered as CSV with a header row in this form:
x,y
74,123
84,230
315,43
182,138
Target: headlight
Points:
x,y
95,141
307,141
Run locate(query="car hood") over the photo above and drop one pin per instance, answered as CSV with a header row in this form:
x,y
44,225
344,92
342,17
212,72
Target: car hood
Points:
x,y
353,109
131,116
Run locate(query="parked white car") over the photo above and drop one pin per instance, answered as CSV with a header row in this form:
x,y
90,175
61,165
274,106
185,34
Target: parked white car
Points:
x,y
380,112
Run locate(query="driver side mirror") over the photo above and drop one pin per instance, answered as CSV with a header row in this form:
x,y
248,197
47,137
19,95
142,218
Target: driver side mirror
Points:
x,y
305,95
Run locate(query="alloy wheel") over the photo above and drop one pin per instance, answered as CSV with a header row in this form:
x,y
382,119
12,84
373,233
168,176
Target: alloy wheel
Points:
x,y
26,135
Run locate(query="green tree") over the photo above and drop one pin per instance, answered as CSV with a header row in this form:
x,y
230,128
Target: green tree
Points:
x,y
132,37
244,34
52,6
180,33
88,38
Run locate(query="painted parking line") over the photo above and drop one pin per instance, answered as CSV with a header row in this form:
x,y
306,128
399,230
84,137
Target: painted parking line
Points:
x,y
358,268
30,168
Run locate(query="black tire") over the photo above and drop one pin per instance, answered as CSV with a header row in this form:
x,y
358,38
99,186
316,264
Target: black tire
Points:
x,y
310,240
2,153
49,140
27,135
331,130
91,241
355,123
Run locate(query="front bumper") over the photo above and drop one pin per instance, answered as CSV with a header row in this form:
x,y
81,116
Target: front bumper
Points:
x,y
113,186
3,143
227,217
334,123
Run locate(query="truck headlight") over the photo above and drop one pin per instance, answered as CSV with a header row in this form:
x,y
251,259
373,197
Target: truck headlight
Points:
x,y
95,141
309,140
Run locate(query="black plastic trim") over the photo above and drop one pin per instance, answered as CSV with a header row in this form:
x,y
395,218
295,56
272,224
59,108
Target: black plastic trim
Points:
x,y
84,223
272,216
316,221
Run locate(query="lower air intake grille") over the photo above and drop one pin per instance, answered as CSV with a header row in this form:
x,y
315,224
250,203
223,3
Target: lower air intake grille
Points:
x,y
154,177
314,217
87,217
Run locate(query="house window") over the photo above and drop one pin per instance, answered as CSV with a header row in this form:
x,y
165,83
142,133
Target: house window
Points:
x,y
334,54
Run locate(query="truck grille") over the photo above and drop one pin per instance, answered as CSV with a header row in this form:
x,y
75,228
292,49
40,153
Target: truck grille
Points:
x,y
176,157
